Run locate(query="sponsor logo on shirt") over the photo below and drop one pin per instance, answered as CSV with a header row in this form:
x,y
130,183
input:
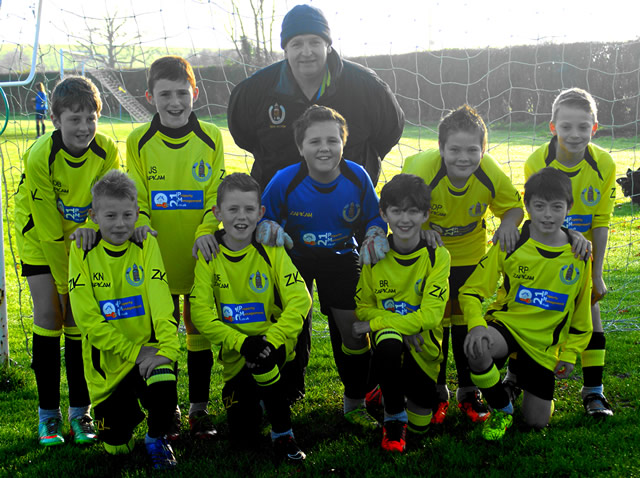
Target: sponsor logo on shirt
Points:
x,y
258,282
578,222
73,213
201,171
135,275
477,209
246,313
177,200
590,196
301,214
454,231
399,307
323,239
541,298
351,212
124,308
277,114
569,274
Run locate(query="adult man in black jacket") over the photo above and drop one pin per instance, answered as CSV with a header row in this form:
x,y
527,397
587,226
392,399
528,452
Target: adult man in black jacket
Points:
x,y
263,107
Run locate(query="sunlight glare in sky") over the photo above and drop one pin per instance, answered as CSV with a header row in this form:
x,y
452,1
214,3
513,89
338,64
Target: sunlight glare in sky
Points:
x,y
358,27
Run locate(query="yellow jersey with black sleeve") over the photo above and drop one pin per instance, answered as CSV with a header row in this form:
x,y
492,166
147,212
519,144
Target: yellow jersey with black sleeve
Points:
x,y
459,214
254,291
121,301
54,198
408,293
544,300
593,182
177,173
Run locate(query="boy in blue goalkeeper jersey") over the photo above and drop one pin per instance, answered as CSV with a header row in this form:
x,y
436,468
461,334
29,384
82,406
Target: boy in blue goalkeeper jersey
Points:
x,y
541,313
321,202
400,301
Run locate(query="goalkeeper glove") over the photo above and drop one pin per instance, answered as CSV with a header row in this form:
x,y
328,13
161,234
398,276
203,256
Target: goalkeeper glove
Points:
x,y
270,233
375,246
253,346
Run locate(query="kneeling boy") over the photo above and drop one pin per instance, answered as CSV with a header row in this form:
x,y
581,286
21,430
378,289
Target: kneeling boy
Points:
x,y
542,310
401,302
251,301
124,311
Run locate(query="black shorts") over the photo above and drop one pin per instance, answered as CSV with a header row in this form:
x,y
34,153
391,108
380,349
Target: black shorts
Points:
x,y
457,277
28,270
40,115
336,280
532,377
117,417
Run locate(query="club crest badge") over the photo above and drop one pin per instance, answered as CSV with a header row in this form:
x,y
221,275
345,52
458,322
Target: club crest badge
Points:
x,y
201,171
258,282
135,275
351,212
590,196
477,210
418,287
277,114
569,274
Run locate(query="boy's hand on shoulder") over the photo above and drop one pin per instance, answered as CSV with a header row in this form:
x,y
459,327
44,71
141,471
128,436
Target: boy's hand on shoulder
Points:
x,y
473,347
507,235
140,233
580,245
358,329
208,247
432,237
374,246
84,237
563,369
270,233
416,341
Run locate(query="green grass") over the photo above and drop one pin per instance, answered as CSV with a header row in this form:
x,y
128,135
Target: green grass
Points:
x,y
573,444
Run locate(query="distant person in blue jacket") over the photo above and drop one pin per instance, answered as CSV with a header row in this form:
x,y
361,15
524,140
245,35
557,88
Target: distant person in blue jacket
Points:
x,y
42,105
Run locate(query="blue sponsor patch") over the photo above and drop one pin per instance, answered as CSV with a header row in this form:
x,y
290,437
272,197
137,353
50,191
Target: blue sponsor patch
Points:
x,y
73,213
243,313
177,200
324,239
578,222
541,298
399,307
124,308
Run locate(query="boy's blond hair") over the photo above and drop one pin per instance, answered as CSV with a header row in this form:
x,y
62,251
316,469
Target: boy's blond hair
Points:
x,y
577,98
114,184
75,93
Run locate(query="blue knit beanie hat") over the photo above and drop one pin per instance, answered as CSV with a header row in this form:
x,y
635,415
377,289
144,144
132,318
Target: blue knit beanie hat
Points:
x,y
304,20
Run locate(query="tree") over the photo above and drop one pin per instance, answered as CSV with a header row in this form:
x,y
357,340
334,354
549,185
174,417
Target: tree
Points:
x,y
255,48
110,42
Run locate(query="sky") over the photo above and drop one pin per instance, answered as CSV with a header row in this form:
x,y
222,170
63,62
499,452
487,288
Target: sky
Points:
x,y
359,27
